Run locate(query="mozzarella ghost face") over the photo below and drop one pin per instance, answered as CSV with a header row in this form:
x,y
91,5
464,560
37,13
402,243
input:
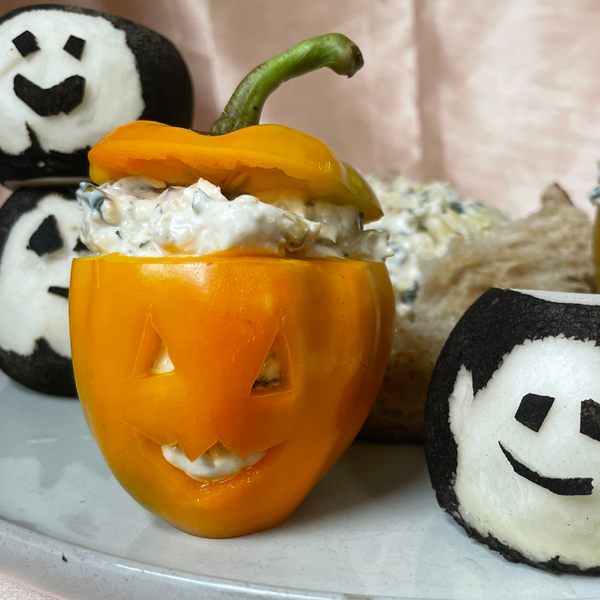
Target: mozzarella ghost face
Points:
x,y
38,241
516,456
68,76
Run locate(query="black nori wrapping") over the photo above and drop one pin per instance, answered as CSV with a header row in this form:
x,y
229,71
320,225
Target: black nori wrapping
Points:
x,y
511,555
533,410
46,238
35,162
479,341
166,89
45,370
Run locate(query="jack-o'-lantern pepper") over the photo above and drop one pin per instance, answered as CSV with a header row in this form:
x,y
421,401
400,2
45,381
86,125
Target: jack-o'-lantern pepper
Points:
x,y
227,348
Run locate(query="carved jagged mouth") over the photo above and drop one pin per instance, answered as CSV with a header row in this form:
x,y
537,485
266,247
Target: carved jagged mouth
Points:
x,y
571,486
216,464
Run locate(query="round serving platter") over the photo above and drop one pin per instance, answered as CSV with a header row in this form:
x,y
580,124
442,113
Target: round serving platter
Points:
x,y
370,528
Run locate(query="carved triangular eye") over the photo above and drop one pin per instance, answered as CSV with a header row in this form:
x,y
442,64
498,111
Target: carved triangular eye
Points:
x,y
270,372
163,363
276,373
152,356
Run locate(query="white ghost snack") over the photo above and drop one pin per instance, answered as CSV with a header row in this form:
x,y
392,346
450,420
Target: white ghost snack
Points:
x,y
512,427
39,237
99,63
69,75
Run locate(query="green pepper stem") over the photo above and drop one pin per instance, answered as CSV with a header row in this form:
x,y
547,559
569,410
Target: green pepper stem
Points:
x,y
333,50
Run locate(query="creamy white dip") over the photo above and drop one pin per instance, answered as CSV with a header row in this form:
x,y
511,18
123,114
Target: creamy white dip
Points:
x,y
142,217
422,220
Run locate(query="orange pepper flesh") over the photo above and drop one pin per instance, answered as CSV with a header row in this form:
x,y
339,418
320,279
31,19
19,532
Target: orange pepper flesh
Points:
x,y
330,323
262,160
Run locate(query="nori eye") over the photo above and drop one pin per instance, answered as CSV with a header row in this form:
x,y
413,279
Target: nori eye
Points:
x,y
74,46
533,410
80,246
26,43
46,238
589,419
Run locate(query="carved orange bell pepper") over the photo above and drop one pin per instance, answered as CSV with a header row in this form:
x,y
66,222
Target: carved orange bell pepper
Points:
x,y
327,322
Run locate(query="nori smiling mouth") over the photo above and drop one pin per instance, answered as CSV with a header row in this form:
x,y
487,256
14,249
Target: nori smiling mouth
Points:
x,y
572,486
59,291
63,97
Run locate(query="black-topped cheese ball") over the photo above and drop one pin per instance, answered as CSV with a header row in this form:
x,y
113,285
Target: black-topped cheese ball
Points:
x,y
512,427
70,75
39,237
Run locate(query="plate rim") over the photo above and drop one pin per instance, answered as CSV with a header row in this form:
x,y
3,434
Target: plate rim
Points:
x,y
23,550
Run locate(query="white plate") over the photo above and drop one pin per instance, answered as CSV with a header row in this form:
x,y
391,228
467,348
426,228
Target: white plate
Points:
x,y
371,527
